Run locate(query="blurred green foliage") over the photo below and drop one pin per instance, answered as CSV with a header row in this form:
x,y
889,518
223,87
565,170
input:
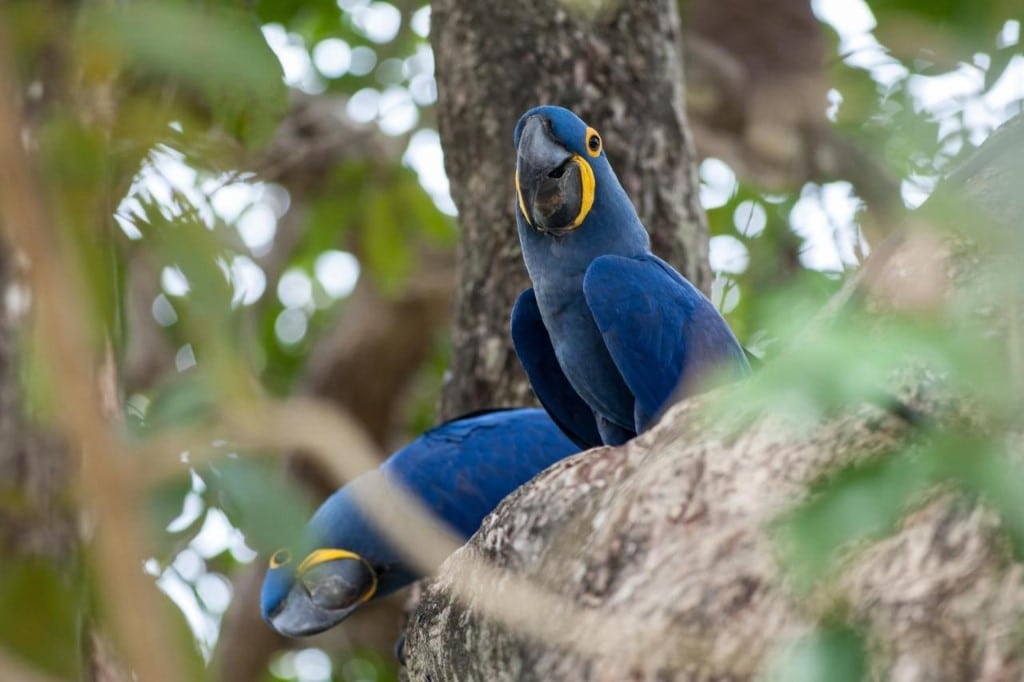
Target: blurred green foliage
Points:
x,y
40,613
831,653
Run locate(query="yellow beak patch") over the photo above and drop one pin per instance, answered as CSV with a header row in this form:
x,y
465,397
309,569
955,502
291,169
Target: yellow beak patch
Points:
x,y
586,194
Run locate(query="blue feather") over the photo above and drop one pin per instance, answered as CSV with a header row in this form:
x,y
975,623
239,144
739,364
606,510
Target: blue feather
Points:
x,y
460,471
556,394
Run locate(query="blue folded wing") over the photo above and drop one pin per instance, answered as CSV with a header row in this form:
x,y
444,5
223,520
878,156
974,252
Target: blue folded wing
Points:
x,y
462,469
659,329
537,355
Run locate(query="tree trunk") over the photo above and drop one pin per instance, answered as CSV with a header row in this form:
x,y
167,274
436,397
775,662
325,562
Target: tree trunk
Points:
x,y
621,70
664,546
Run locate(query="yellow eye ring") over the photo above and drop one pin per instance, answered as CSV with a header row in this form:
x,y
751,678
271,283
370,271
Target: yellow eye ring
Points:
x,y
280,558
594,144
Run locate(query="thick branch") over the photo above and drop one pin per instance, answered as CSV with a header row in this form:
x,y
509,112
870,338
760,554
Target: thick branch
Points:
x,y
673,532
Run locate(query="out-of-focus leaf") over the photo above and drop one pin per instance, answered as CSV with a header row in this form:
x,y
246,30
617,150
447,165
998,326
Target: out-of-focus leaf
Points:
x,y
962,27
198,252
859,503
386,249
981,469
865,502
270,510
219,51
74,163
1000,60
164,505
329,219
288,12
186,400
836,654
368,664
39,614
422,214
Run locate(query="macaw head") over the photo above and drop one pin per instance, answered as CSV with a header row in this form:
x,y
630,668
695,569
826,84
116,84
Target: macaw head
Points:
x,y
343,563
305,595
564,182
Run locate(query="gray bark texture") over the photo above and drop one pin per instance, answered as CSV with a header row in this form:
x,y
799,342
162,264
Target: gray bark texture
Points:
x,y
666,541
620,69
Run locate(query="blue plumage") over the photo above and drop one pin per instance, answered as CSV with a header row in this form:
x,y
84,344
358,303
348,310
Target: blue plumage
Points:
x,y
460,470
622,326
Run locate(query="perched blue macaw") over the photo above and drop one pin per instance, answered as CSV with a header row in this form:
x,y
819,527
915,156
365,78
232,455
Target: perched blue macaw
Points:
x,y
609,330
460,470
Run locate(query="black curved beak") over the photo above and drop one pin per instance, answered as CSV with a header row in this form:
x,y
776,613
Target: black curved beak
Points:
x,y
548,179
323,596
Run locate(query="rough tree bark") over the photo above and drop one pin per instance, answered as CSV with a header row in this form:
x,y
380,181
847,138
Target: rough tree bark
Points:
x,y
668,538
496,60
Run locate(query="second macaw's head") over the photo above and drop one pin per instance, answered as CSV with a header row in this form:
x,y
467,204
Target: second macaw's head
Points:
x,y
317,592
342,563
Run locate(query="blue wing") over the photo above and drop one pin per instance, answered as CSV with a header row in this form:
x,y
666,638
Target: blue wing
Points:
x,y
659,329
556,394
462,469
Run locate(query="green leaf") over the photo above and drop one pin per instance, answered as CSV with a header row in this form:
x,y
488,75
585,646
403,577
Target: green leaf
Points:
x,y
164,504
39,614
290,11
980,468
859,503
184,400
271,511
387,251
219,51
421,212
75,164
836,654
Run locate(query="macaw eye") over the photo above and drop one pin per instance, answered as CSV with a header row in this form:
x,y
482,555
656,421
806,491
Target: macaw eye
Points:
x,y
593,142
280,558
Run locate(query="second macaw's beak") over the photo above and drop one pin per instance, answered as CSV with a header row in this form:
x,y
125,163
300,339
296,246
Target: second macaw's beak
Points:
x,y
324,594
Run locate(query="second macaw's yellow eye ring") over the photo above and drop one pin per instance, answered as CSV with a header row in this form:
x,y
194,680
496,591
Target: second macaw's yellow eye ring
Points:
x,y
280,558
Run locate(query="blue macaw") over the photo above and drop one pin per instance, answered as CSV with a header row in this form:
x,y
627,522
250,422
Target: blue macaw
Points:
x,y
609,330
460,470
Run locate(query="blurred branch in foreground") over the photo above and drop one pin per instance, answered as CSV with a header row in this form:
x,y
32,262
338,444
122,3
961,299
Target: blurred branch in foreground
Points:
x,y
105,486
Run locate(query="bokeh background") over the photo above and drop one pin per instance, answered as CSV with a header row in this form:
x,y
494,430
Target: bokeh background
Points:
x,y
249,206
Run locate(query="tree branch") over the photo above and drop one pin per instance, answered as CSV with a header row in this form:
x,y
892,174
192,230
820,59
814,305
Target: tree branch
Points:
x,y
674,531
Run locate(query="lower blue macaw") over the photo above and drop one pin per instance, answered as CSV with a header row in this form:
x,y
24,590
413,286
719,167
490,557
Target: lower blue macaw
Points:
x,y
460,471
609,331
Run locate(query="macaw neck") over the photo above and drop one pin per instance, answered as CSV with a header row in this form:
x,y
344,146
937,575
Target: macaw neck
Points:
x,y
340,524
